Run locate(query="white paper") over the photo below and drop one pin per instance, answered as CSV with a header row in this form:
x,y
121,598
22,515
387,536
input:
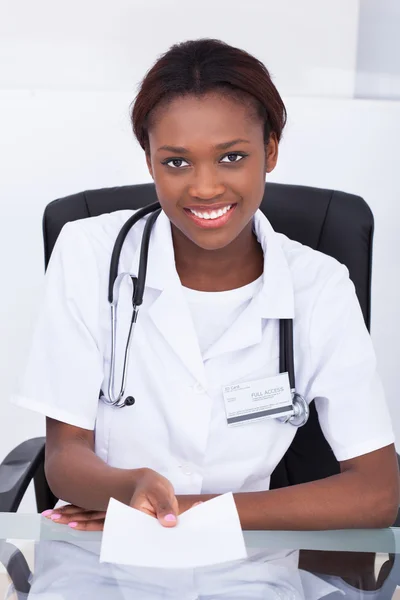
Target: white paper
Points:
x,y
207,534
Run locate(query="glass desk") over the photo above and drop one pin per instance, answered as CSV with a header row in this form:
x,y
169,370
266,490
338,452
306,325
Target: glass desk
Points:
x,y
45,561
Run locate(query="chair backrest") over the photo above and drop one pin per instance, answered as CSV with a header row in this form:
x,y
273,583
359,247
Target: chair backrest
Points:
x,y
333,222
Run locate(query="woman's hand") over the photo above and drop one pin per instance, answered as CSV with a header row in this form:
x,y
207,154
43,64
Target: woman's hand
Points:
x,y
153,495
77,518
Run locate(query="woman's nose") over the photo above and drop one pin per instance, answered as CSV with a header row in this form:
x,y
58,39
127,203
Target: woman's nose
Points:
x,y
206,185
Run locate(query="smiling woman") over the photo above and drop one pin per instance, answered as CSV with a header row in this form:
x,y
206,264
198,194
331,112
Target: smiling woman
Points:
x,y
209,119
219,279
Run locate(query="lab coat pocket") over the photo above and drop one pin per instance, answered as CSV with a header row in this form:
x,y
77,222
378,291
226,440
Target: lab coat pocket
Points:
x,y
251,368
257,361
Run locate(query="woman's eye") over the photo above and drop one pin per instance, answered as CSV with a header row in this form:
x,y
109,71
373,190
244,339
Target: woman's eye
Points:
x,y
176,162
231,157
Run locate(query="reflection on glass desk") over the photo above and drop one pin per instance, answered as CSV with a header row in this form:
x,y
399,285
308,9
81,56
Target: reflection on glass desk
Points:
x,y
45,561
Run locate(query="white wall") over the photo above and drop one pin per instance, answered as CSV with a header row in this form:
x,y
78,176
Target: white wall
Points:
x,y
67,77
352,145
310,46
378,50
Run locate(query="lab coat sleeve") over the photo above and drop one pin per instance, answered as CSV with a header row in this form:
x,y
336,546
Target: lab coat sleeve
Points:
x,y
63,374
348,392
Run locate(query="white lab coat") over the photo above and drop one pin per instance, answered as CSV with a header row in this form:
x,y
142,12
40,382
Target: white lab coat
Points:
x,y
178,424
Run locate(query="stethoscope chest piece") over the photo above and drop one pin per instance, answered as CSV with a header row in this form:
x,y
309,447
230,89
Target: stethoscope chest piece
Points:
x,y
129,401
301,412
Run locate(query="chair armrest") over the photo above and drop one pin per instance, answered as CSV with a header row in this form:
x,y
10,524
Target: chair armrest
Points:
x,y
24,463
17,568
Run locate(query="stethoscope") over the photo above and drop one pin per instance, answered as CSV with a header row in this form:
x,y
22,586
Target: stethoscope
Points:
x,y
300,413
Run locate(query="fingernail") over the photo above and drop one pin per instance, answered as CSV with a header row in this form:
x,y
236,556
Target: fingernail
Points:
x,y
55,517
72,524
46,513
170,518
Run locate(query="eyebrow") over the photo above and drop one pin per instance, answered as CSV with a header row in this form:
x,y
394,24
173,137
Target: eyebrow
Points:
x,y
223,146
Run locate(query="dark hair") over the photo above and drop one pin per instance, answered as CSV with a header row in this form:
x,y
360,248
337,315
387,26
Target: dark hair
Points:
x,y
200,66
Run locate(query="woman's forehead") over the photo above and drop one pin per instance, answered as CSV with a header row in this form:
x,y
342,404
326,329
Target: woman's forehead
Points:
x,y
217,117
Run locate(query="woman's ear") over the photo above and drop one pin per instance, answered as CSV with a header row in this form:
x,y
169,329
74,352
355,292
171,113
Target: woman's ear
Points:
x,y
271,153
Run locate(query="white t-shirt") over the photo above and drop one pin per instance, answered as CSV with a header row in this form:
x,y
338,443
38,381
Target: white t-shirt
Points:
x,y
214,312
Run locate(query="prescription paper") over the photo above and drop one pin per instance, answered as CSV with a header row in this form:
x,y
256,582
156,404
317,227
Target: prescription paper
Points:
x,y
207,534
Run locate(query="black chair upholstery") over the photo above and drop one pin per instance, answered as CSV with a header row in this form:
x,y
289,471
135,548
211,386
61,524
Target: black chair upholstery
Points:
x,y
332,222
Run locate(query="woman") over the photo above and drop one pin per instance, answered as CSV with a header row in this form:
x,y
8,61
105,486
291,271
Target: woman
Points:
x,y
219,278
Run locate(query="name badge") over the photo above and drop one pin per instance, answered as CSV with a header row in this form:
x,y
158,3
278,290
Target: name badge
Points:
x,y
252,401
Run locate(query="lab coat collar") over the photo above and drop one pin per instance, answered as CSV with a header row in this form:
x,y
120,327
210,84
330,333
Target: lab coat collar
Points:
x,y
161,270
276,295
274,300
170,311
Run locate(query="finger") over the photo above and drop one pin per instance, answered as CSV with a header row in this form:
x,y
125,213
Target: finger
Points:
x,y
166,509
186,508
69,509
66,518
97,525
158,504
87,516
140,501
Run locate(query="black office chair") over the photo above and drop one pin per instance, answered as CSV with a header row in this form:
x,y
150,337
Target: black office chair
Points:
x,y
332,222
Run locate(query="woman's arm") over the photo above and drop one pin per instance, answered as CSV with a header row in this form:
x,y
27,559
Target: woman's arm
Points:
x,y
365,494
76,475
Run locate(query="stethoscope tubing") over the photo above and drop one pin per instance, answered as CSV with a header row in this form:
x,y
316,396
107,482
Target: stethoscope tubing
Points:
x,y
137,297
286,350
119,242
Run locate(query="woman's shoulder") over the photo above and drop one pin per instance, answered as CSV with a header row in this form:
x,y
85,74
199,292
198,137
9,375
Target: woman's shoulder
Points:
x,y
309,268
101,228
100,233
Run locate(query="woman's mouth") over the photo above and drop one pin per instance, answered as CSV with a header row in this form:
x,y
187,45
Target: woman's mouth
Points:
x,y
211,218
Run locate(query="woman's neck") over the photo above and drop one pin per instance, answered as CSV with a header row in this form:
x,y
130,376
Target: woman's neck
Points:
x,y
236,265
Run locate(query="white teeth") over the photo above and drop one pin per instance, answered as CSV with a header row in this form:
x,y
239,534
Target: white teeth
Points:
x,y
214,214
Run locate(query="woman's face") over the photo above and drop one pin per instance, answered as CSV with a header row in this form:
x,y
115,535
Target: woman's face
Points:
x,y
207,155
